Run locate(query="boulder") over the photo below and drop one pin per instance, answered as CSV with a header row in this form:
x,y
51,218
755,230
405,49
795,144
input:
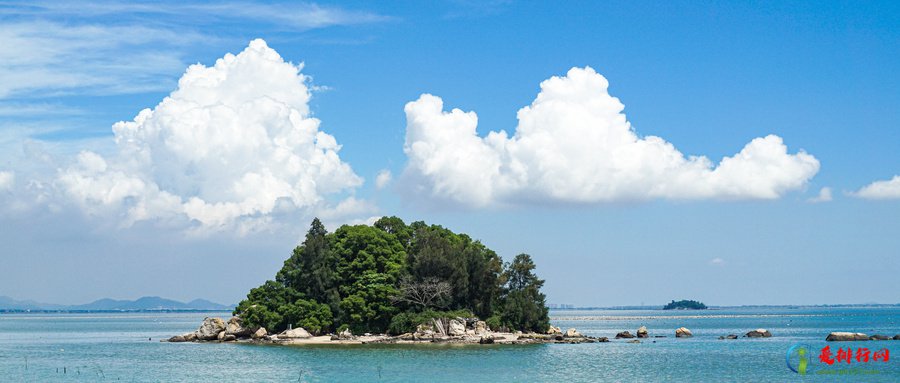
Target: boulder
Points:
x,y
481,328
839,336
487,339
221,336
345,335
297,333
624,335
572,333
896,337
603,339
729,336
642,332
235,327
456,328
879,337
177,338
554,330
229,338
260,333
210,328
759,333
683,332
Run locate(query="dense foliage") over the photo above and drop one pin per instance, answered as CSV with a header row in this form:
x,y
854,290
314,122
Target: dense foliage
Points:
x,y
684,305
393,276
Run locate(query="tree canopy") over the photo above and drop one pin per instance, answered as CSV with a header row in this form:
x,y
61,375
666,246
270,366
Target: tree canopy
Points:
x,y
684,305
390,275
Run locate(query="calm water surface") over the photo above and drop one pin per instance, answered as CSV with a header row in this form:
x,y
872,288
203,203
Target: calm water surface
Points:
x,y
117,347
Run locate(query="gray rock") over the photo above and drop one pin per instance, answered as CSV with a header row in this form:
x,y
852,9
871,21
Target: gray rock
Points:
x,y
554,330
221,336
634,341
297,333
481,328
456,328
759,333
896,337
729,336
683,332
487,339
572,333
229,338
879,337
210,328
840,336
235,327
624,335
603,339
177,338
259,333
642,332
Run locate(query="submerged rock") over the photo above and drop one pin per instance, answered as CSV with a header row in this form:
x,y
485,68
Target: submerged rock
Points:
x,y
603,339
683,332
642,332
624,335
729,336
759,333
840,336
210,328
634,341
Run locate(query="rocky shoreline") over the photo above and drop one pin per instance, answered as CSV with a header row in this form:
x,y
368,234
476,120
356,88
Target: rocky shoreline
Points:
x,y
445,331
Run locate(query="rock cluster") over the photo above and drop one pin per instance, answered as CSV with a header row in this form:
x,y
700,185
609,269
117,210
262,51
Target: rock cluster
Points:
x,y
642,332
759,333
683,332
624,335
857,336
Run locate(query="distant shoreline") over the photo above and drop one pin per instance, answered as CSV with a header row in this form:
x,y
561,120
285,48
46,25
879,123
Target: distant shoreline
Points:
x,y
17,311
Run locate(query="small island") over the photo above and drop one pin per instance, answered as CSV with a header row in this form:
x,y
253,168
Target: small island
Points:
x,y
392,282
684,305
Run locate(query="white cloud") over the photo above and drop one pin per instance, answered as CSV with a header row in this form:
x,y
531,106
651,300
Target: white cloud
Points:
x,y
823,196
717,261
573,144
233,146
383,178
887,189
7,180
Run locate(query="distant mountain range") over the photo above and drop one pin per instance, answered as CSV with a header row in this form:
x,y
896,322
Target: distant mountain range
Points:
x,y
106,304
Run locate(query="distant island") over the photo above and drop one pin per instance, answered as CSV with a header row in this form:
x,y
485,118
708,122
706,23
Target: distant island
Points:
x,y
8,304
684,305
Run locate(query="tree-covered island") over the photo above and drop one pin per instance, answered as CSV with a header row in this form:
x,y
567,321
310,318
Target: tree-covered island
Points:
x,y
684,305
391,277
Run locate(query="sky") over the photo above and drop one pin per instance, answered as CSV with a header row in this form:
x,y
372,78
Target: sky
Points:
x,y
735,153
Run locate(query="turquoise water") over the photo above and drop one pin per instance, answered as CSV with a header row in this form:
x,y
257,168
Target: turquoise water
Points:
x,y
115,347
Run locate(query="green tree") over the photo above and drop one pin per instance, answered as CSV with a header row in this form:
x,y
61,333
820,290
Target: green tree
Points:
x,y
310,269
524,306
370,264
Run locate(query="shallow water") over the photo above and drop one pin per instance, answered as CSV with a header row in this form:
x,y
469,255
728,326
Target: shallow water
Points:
x,y
118,347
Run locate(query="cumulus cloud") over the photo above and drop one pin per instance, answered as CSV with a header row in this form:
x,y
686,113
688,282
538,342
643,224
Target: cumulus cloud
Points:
x,y
383,178
7,179
717,261
232,146
573,144
823,196
886,189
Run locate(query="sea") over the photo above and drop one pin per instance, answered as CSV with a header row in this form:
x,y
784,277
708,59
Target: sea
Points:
x,y
126,347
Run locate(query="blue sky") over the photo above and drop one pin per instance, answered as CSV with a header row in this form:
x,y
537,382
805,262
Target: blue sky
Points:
x,y
707,78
